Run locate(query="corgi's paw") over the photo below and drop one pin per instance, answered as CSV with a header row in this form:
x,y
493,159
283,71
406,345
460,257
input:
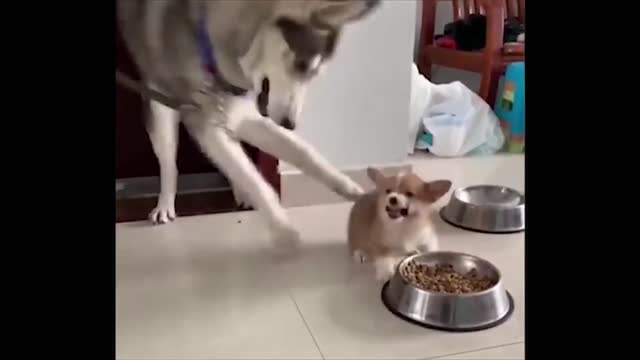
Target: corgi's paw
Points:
x,y
429,242
358,257
385,268
384,275
426,247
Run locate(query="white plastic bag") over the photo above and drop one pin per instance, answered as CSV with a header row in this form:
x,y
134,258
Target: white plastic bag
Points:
x,y
420,99
451,120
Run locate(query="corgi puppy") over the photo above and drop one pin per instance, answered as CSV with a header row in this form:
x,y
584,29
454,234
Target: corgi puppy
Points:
x,y
392,221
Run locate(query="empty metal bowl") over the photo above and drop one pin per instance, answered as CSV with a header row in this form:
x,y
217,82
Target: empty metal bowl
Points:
x,y
486,208
446,311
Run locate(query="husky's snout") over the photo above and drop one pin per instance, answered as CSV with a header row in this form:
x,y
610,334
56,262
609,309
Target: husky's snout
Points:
x,y
288,124
283,109
282,113
372,4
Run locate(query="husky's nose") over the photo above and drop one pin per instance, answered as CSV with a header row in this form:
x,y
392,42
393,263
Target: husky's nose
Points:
x,y
287,124
373,3
393,200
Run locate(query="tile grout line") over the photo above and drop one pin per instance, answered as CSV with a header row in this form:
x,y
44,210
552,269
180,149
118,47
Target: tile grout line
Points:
x,y
474,350
304,321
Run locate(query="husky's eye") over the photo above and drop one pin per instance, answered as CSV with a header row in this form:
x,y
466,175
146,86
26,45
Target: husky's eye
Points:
x,y
388,191
409,194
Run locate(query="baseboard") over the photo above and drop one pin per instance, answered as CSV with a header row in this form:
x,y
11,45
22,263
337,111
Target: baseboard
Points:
x,y
149,186
300,190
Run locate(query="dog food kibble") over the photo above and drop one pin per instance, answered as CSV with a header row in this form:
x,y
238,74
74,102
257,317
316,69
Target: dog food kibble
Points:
x,y
442,278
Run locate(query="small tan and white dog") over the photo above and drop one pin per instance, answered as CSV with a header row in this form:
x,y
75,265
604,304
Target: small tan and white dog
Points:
x,y
393,220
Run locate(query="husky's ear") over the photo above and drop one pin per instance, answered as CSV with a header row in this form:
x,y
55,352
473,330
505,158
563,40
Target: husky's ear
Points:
x,y
339,12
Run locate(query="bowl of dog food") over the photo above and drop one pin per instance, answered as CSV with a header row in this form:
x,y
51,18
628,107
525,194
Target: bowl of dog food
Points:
x,y
486,208
448,291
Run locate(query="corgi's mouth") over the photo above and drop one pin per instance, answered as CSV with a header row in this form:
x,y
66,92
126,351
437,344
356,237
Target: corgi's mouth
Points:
x,y
396,213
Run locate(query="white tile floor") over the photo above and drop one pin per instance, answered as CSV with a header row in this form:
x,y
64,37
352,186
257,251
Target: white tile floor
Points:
x,y
207,287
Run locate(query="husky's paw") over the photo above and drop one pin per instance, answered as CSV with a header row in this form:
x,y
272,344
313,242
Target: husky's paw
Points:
x,y
242,200
350,190
286,240
163,213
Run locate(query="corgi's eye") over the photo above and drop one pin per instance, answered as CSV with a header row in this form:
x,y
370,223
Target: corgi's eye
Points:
x,y
409,194
388,191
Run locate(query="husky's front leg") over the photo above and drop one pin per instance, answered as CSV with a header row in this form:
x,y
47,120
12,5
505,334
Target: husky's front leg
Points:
x,y
233,161
286,145
163,132
242,199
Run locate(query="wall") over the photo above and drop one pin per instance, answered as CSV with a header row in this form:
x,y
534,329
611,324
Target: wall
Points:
x,y
356,112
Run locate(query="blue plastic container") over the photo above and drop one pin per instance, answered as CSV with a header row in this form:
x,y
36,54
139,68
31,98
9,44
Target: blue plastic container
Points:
x,y
509,107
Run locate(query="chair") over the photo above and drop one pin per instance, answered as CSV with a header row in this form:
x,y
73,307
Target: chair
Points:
x,y
492,60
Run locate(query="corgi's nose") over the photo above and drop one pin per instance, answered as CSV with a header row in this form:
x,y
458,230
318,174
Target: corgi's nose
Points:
x,y
393,200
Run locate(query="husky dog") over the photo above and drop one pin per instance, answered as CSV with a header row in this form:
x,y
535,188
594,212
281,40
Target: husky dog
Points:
x,y
238,69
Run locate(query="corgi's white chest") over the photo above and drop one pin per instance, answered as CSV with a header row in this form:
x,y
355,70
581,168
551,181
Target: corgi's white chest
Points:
x,y
404,235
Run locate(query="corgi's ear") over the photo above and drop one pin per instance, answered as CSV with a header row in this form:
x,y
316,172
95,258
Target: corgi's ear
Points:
x,y
375,175
432,191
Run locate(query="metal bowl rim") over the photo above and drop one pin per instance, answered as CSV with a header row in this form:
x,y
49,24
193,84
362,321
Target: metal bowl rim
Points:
x,y
457,191
422,323
463,225
483,292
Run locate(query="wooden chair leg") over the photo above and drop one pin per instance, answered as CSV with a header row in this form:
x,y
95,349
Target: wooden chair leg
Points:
x,y
489,86
424,67
426,35
494,81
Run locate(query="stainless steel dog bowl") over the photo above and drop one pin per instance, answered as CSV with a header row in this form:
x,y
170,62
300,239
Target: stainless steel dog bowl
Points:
x,y
444,311
486,208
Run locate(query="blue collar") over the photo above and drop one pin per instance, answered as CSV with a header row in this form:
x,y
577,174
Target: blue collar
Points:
x,y
205,48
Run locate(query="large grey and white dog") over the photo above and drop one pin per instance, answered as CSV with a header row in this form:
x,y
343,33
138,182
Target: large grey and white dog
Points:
x,y
264,52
